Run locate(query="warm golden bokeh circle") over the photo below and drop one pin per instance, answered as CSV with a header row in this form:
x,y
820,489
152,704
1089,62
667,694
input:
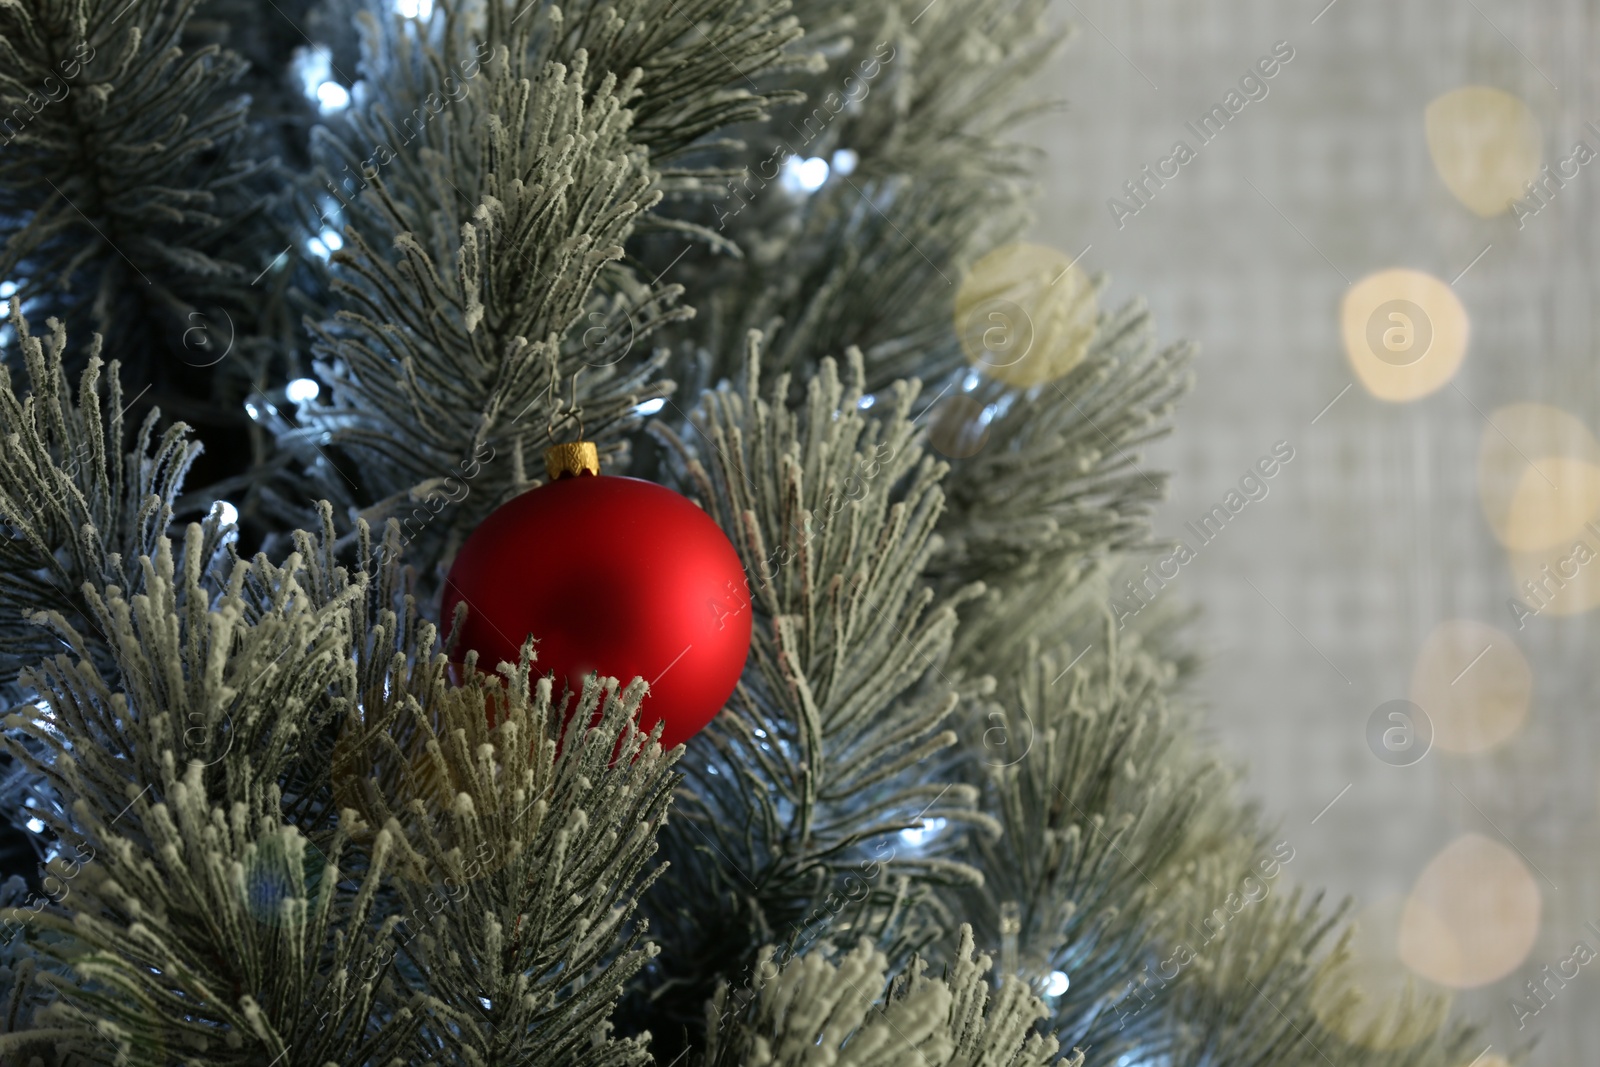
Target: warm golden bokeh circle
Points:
x,y
1552,500
1472,916
1485,144
1564,580
1025,314
1538,476
1405,333
1393,1008
1474,683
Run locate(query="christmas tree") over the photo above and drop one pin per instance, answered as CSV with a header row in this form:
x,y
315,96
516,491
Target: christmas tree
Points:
x,y
375,259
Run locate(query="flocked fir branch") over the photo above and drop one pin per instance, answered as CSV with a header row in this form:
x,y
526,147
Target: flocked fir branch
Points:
x,y
486,197
1103,803
132,200
231,909
1059,488
928,180
78,508
449,352
828,746
815,1010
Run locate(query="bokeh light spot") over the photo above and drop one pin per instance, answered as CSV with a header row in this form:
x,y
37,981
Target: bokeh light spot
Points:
x,y
1474,683
1472,915
1553,499
1025,314
800,176
1405,333
1561,580
331,96
1538,479
1538,476
1485,144
302,390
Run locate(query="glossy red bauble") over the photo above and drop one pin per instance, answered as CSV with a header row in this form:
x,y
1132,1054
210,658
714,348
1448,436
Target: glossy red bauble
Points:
x,y
615,575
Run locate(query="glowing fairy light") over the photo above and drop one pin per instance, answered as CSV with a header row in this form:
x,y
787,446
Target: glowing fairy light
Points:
x,y
314,67
917,836
331,96
302,390
804,175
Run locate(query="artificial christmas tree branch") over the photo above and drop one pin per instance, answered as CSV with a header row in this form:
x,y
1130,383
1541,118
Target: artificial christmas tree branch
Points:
x,y
131,200
509,212
929,179
1058,488
224,679
841,717
481,315
1105,806
815,1011
78,507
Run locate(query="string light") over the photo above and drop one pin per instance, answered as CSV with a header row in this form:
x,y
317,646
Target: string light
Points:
x,y
803,175
331,96
314,65
917,836
302,390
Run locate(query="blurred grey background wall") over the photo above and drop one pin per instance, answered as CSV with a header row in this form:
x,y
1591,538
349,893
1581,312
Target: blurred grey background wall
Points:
x,y
1373,570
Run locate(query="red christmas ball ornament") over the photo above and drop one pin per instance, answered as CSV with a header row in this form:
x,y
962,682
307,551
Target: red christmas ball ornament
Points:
x,y
611,574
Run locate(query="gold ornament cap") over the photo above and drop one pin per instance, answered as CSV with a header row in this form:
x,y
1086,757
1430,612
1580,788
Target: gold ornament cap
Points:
x,y
571,460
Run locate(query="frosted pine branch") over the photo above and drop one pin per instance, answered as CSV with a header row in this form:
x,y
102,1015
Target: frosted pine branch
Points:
x,y
79,508
815,1011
